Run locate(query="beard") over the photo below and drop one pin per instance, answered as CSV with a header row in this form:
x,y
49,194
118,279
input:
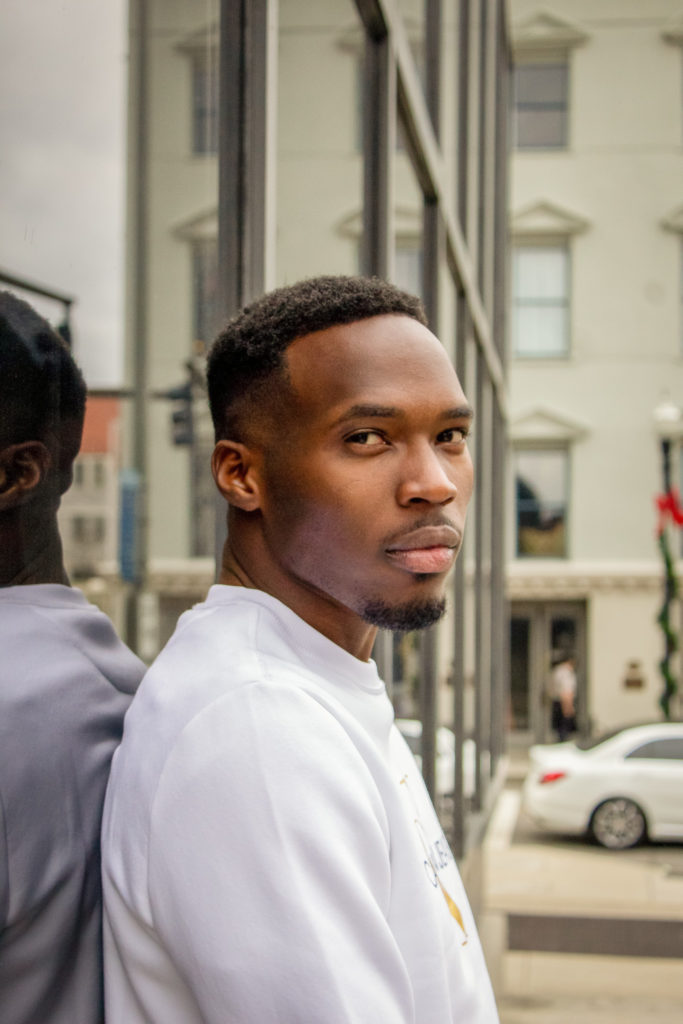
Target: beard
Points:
x,y
403,618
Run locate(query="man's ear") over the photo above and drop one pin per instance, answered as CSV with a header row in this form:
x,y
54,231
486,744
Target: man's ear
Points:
x,y
235,470
23,467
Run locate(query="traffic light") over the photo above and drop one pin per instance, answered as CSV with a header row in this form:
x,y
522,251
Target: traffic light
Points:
x,y
182,426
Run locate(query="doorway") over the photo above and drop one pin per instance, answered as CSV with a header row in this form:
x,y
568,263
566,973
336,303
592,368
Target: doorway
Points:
x,y
540,631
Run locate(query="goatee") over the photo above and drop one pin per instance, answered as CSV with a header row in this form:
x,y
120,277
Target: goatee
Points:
x,y
402,618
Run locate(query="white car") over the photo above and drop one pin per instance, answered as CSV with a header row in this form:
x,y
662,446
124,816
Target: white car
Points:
x,y
621,788
411,730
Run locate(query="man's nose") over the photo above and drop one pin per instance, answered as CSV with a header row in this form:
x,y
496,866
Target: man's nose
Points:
x,y
426,477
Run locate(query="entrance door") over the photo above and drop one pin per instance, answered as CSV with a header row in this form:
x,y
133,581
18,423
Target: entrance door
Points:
x,y
541,631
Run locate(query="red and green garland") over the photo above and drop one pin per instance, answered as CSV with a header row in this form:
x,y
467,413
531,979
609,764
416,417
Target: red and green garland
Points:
x,y
669,510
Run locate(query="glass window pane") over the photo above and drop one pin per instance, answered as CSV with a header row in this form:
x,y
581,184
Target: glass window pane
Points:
x,y
540,332
541,84
540,285
541,502
541,100
541,129
540,272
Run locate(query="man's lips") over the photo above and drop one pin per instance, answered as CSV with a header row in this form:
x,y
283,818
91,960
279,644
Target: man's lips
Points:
x,y
430,549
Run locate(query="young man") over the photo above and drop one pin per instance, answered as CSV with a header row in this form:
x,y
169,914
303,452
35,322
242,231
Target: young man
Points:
x,y
65,683
270,852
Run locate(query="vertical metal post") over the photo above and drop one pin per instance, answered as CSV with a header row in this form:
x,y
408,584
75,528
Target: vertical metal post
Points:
x,y
500,618
136,285
481,681
431,241
458,834
246,155
379,144
377,253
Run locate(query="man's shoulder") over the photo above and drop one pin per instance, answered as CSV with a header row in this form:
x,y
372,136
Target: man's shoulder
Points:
x,y
52,637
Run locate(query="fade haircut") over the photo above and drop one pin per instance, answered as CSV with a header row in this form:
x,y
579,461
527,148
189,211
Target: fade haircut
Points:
x,y
42,390
246,361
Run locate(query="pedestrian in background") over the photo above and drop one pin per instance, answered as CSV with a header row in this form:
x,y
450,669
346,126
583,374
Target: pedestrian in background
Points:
x,y
563,697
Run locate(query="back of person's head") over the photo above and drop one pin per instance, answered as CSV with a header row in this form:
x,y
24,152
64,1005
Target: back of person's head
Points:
x,y
42,391
248,354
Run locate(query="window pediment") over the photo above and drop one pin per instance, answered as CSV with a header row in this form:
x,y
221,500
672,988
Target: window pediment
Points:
x,y
545,426
544,31
545,219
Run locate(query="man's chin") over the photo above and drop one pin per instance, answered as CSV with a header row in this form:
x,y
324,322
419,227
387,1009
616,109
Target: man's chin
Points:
x,y
403,618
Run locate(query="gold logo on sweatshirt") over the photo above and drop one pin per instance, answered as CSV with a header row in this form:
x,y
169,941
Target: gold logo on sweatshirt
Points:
x,y
437,856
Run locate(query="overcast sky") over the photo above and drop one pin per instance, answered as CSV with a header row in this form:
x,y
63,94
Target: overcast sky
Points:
x,y
62,131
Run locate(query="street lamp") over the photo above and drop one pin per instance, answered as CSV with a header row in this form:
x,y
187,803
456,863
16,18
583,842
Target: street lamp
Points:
x,y
668,418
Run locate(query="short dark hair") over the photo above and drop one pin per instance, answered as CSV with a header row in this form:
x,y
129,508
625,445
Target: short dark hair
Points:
x,y
41,387
249,350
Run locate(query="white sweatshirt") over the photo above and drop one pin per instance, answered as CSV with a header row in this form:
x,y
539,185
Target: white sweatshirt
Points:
x,y
65,683
270,852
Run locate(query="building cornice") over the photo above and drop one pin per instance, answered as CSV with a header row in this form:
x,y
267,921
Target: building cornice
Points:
x,y
552,579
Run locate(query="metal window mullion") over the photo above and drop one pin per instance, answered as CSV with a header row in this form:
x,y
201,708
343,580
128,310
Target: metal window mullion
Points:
x,y
379,145
480,680
458,835
377,248
246,150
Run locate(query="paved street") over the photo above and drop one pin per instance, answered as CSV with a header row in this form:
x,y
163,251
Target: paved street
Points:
x,y
575,932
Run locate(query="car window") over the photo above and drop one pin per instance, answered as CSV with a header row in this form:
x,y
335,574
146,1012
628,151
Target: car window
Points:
x,y
670,748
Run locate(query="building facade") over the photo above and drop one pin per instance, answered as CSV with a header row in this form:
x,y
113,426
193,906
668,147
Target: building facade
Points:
x,y
596,224
271,141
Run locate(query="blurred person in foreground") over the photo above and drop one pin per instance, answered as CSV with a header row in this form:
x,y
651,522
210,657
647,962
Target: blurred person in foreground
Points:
x,y
270,852
65,683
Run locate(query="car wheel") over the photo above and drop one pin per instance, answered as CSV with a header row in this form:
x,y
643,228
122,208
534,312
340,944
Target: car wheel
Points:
x,y
618,824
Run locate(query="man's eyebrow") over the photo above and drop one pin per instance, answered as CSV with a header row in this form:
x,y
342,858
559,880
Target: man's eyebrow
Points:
x,y
369,411
458,412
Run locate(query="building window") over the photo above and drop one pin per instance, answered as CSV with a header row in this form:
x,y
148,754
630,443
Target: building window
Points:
x,y
540,105
541,485
205,288
99,476
204,106
540,290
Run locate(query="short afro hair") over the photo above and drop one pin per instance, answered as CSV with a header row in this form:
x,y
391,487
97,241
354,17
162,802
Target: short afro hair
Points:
x,y
41,387
249,351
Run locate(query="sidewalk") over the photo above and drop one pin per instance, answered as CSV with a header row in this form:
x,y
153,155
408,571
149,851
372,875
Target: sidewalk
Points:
x,y
548,910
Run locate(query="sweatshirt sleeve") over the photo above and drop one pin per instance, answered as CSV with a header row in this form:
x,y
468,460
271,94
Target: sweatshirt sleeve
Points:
x,y
4,868
269,868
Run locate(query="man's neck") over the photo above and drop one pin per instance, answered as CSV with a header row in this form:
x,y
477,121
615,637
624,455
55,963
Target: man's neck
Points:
x,y
31,553
340,625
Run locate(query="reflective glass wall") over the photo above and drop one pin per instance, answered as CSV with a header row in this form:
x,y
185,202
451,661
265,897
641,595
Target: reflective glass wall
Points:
x,y
272,141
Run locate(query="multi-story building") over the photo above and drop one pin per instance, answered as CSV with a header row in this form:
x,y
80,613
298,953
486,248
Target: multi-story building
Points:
x,y
596,220
88,515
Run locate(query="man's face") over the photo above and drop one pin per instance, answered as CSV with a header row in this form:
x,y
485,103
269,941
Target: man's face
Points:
x,y
367,480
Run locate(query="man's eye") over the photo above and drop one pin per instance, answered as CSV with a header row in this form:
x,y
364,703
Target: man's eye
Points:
x,y
366,438
454,435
